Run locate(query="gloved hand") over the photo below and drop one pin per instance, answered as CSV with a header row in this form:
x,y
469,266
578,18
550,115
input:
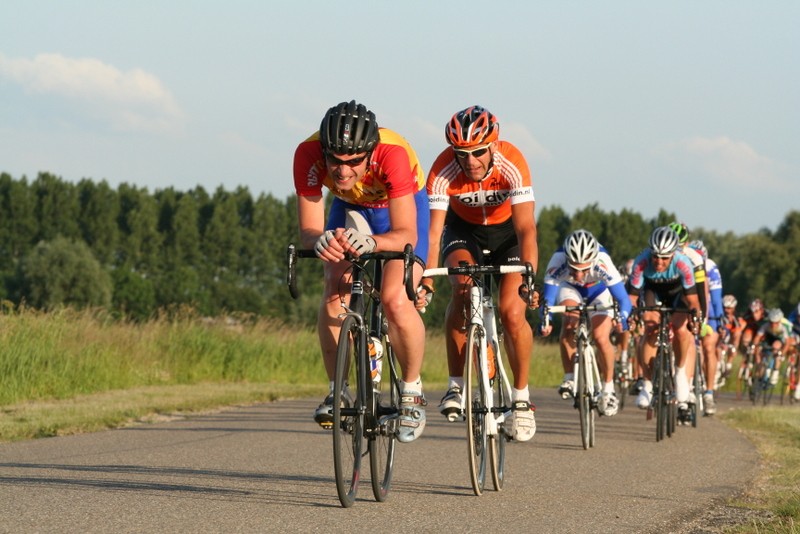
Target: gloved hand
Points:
x,y
322,242
362,243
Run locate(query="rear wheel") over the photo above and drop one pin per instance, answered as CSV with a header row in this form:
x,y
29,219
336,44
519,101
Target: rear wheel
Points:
x,y
348,417
475,410
382,443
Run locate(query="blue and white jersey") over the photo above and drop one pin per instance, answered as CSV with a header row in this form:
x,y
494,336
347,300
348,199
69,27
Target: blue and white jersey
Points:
x,y
601,275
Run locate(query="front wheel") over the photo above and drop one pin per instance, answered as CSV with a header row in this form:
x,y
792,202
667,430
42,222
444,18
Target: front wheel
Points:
x,y
475,410
585,394
348,415
502,403
384,439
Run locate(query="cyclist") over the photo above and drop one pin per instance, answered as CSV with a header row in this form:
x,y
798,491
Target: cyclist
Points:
x,y
709,336
582,271
662,274
623,339
379,204
794,354
751,322
730,332
753,318
481,198
774,335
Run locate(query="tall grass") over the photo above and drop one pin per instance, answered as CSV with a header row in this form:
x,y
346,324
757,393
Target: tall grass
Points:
x,y
62,354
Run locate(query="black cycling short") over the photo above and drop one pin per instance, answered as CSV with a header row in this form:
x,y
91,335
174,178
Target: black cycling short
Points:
x,y
500,239
665,298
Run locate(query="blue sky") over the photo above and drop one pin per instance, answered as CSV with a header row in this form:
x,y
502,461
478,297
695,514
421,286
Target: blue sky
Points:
x,y
688,106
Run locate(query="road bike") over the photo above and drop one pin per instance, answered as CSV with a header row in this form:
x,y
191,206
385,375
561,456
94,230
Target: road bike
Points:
x,y
765,376
664,403
588,385
365,421
486,398
789,383
745,376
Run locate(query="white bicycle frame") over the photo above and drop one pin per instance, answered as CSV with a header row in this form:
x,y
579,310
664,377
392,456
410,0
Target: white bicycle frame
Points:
x,y
589,357
486,321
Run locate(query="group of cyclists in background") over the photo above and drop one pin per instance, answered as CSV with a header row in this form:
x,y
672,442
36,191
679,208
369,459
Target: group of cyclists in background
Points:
x,y
478,196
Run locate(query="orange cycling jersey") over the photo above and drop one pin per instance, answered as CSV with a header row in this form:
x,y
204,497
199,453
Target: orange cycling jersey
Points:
x,y
394,171
489,201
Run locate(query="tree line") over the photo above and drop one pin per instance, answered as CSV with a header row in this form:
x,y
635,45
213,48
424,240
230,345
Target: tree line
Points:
x,y
138,253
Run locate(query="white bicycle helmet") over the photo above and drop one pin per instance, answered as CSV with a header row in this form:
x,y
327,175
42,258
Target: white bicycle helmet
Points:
x,y
664,241
775,315
581,247
729,301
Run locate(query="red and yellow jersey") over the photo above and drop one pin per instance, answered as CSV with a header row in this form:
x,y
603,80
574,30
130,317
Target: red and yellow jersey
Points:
x,y
489,201
393,171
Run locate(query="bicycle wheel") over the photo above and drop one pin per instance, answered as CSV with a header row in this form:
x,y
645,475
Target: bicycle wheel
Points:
x,y
669,387
659,394
584,393
475,408
498,446
697,386
348,416
383,440
622,383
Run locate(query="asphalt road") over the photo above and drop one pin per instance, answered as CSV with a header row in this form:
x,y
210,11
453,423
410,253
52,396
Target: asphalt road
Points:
x,y
268,468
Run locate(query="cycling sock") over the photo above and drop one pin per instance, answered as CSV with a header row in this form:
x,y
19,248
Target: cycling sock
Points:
x,y
456,381
520,394
608,387
414,386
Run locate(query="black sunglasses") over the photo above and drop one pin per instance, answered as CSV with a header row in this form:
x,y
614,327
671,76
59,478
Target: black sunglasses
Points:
x,y
462,153
333,160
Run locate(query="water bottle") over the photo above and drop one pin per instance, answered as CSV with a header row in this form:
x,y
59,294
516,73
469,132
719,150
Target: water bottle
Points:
x,y
375,355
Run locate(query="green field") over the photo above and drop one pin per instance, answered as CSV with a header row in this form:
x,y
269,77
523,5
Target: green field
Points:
x,y
70,372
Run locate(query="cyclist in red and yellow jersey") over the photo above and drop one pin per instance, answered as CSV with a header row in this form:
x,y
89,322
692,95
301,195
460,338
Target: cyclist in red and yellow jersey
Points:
x,y
481,198
380,204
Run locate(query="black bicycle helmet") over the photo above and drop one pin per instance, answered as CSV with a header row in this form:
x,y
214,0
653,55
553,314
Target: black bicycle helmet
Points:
x,y
348,128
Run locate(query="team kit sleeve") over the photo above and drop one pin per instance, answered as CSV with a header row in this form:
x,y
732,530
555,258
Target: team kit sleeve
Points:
x,y
309,167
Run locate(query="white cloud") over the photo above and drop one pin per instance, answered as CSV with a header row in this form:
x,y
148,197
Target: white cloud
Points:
x,y
129,100
519,134
728,162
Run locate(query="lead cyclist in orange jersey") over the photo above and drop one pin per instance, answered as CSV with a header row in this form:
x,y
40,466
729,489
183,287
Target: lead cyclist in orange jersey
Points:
x,y
481,198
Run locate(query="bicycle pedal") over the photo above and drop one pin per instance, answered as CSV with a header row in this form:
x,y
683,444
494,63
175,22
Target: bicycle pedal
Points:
x,y
326,425
649,413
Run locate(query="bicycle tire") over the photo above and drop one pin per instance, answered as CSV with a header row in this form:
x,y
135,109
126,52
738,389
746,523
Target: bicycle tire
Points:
x,y
475,411
584,393
697,385
660,395
498,449
669,386
348,421
383,441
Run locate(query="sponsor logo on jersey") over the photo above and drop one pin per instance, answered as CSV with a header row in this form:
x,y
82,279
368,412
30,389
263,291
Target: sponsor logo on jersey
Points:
x,y
483,198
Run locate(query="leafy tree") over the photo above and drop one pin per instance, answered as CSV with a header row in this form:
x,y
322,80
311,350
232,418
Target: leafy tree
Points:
x,y
56,207
63,272
99,209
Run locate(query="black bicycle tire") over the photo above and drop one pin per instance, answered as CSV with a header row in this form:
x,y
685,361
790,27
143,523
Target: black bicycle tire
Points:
x,y
498,448
383,443
584,395
348,427
697,387
660,399
477,442
671,400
